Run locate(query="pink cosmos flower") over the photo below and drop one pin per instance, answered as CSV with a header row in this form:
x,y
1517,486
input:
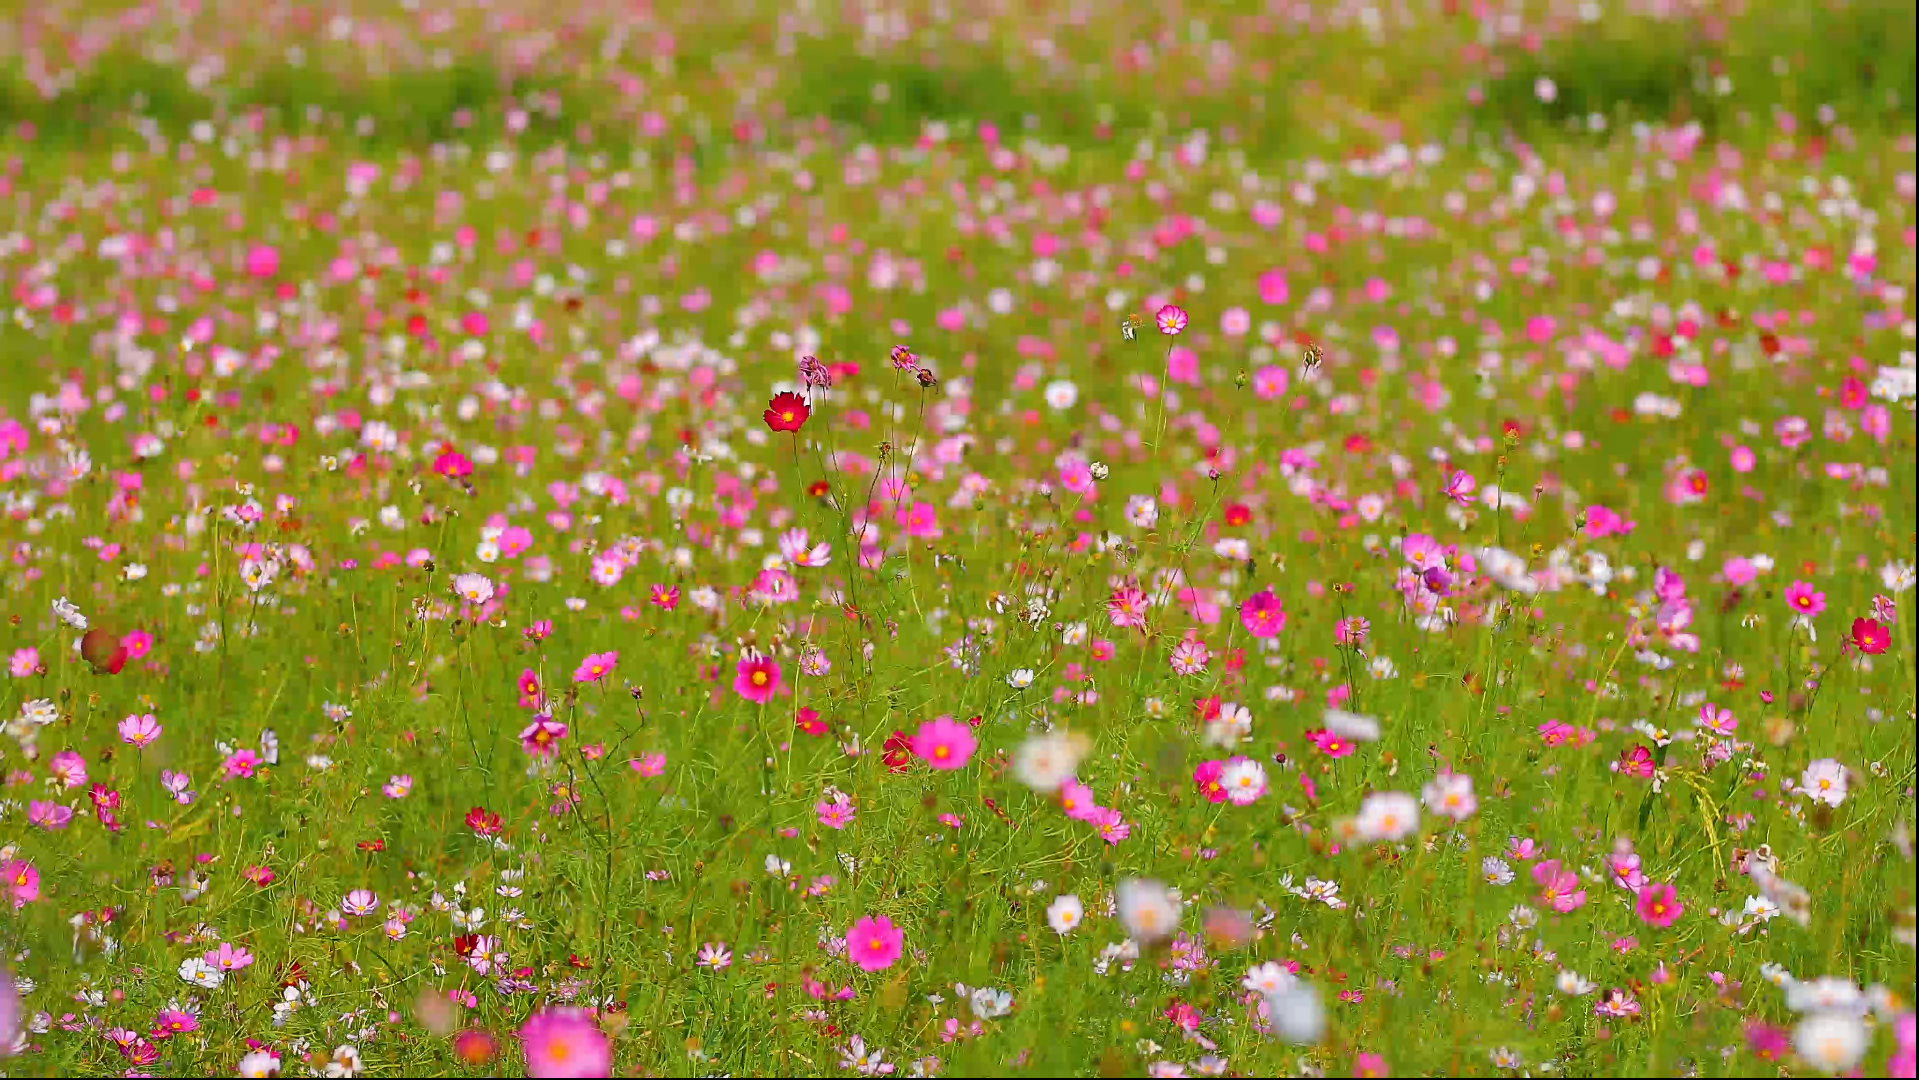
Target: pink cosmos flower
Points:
x,y
835,814
139,731
1739,571
1262,614
69,768
173,1022
1330,744
1803,599
23,662
541,738
1658,905
51,816
1111,826
1127,607
756,678
1077,800
1190,657
1559,888
595,667
1170,320
565,1042
1209,777
1717,720
874,943
21,881
229,958
649,764
944,743
1460,486
241,764
1451,795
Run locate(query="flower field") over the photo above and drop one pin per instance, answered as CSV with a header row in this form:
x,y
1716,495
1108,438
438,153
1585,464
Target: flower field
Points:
x,y
596,539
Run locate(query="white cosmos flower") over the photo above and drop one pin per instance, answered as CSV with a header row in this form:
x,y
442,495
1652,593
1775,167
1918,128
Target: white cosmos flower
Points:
x,y
1830,1042
1044,762
1148,910
1352,725
1388,815
1297,1016
1065,914
473,588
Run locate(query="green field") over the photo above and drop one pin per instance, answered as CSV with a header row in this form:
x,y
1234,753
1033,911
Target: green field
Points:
x,y
1087,540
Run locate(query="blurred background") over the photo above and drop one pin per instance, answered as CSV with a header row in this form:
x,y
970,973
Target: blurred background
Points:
x,y
1266,77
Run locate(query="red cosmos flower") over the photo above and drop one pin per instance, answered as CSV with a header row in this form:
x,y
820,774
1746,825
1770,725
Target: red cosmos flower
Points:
x,y
1871,637
787,412
483,821
103,651
808,720
898,751
464,944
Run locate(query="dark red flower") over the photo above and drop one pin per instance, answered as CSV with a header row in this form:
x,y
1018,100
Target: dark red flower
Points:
x,y
787,412
103,651
1870,636
898,751
483,821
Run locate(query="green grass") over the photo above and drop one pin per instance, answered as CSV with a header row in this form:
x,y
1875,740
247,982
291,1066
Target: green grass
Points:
x,y
621,877
1855,57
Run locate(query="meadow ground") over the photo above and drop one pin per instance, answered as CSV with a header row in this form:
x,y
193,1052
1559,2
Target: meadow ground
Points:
x,y
1186,539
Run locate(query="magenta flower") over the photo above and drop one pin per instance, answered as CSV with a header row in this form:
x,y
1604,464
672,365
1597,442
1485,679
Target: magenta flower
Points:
x,y
1801,597
241,764
1658,905
565,1042
1262,614
756,678
173,1022
836,814
21,881
874,943
1171,320
1459,487
944,743
541,738
595,667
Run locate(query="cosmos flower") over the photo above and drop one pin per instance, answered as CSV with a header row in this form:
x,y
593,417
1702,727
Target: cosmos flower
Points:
x,y
562,1042
786,412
